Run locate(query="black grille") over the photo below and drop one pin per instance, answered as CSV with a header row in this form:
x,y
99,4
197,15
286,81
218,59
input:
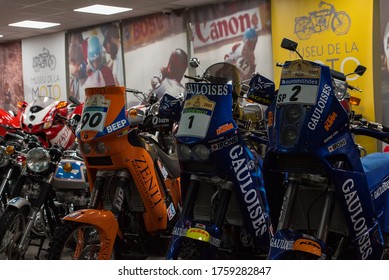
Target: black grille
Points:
x,y
296,163
99,161
202,167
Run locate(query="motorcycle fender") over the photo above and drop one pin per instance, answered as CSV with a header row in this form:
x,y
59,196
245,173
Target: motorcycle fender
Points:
x,y
198,234
103,220
18,202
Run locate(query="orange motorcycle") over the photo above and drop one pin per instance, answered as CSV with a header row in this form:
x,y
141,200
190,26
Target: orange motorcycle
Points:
x,y
134,181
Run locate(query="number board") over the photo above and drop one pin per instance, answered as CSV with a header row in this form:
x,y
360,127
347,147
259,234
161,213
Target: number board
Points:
x,y
94,113
300,82
196,116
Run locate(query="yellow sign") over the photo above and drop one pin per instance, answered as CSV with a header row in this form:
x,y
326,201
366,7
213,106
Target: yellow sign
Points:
x,y
335,33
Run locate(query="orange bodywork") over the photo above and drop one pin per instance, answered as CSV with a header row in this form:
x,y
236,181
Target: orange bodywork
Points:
x,y
119,153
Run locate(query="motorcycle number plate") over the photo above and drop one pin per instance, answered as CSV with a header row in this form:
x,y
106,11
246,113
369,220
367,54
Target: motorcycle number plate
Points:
x,y
196,117
95,113
297,93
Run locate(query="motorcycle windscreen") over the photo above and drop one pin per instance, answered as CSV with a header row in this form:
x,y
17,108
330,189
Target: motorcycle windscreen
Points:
x,y
104,112
207,112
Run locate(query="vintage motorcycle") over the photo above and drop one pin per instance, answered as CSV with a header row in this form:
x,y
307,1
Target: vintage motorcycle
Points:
x,y
225,212
36,213
134,182
335,203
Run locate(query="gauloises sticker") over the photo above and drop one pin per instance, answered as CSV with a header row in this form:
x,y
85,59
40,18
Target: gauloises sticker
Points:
x,y
196,116
94,113
299,83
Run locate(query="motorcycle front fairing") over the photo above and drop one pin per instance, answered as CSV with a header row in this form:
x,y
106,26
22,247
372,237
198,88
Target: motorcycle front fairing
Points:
x,y
209,144
309,133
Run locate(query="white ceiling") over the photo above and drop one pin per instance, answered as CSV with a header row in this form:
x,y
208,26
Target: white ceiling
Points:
x,y
61,11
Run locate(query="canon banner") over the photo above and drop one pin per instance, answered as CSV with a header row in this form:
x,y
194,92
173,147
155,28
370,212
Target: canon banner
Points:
x,y
335,33
236,32
44,71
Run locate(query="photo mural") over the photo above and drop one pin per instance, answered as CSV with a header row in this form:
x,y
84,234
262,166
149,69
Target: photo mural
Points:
x,y
11,76
384,43
236,32
95,58
155,54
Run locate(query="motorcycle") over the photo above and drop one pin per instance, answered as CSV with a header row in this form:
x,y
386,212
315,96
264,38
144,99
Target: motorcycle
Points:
x,y
335,203
134,183
225,212
36,213
45,118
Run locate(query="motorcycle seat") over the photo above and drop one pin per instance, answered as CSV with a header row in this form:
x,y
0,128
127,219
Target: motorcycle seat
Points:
x,y
376,167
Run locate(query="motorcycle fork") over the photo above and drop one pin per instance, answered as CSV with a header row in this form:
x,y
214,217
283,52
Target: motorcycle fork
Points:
x,y
4,183
44,194
289,202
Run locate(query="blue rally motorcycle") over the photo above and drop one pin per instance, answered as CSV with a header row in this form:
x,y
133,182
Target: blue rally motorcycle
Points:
x,y
225,212
335,203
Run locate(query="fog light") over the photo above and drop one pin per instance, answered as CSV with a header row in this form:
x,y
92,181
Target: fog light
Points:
x,y
289,136
200,152
184,152
293,113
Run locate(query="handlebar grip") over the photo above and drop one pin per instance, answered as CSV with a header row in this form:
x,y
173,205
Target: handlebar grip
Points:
x,y
74,100
385,128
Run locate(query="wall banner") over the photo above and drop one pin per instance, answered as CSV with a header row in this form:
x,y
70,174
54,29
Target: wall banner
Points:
x,y
236,32
155,55
336,33
95,58
384,16
44,73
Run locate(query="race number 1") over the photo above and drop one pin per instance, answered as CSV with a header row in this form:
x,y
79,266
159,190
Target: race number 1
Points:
x,y
196,117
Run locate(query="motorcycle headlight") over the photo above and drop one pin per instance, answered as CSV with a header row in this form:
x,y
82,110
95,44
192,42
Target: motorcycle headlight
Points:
x,y
38,160
100,147
85,148
293,113
289,136
4,157
200,152
184,152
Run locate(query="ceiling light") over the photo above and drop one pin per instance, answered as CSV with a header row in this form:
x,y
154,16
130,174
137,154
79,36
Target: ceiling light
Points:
x,y
1,36
102,10
34,24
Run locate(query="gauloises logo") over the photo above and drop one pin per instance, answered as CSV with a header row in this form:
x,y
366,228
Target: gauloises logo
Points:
x,y
147,181
358,221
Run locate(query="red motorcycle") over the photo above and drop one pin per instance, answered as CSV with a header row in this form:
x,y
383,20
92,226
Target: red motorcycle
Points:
x,y
45,117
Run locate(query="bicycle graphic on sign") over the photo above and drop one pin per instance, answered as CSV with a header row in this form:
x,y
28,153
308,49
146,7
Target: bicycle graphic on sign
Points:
x,y
44,59
318,21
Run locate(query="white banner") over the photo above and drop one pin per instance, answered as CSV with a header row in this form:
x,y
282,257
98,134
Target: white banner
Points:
x,y
44,72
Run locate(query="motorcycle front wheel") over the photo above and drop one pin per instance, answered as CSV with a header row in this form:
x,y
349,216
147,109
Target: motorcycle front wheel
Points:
x,y
12,224
75,241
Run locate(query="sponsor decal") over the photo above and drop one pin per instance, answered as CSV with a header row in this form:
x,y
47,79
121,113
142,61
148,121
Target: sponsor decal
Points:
x,y
331,136
207,89
224,128
330,121
319,108
224,143
337,145
281,244
381,189
147,181
358,221
116,126
270,119
171,211
250,195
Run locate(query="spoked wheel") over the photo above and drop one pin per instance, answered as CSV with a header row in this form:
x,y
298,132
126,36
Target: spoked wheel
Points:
x,y
12,224
303,28
75,241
